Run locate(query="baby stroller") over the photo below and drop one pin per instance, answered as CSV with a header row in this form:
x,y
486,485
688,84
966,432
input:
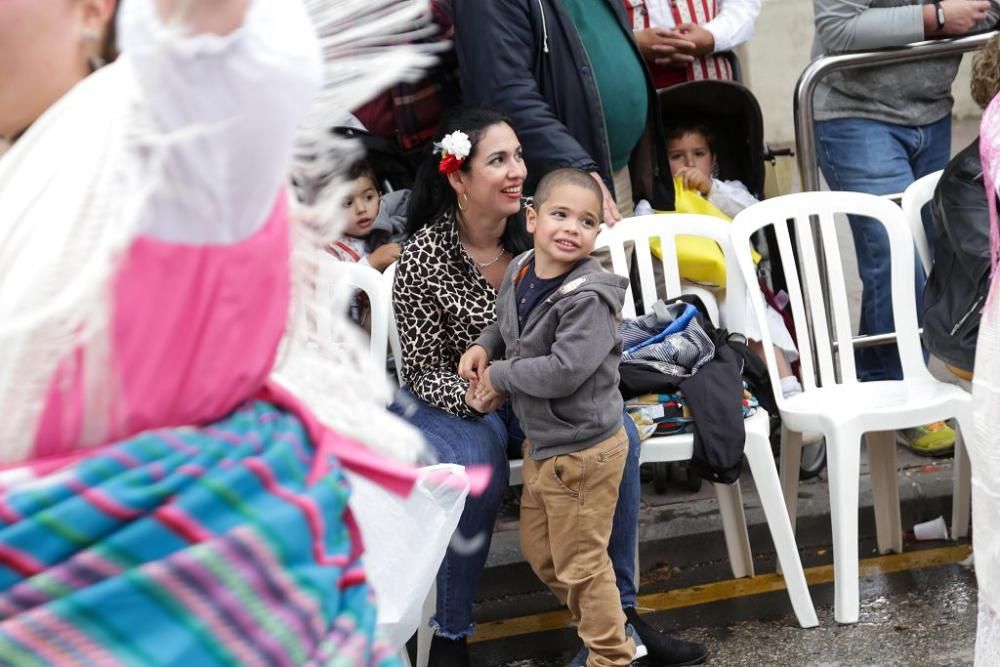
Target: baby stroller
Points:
x,y
731,111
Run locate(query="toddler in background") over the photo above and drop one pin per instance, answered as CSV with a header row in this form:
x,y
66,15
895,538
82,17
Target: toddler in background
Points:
x,y
375,224
692,156
691,153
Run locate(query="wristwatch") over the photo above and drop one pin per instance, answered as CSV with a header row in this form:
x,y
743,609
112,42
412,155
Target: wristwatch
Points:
x,y
939,14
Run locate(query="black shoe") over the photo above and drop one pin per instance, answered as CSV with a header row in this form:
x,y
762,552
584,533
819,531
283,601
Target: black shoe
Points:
x,y
448,652
664,650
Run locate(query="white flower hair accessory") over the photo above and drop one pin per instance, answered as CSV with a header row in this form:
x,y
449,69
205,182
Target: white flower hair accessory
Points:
x,y
454,148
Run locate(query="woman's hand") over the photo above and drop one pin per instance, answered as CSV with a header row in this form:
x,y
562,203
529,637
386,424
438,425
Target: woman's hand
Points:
x,y
473,363
695,179
383,256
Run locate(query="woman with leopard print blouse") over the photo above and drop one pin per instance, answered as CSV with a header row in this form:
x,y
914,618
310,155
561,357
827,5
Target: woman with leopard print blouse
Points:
x,y
465,228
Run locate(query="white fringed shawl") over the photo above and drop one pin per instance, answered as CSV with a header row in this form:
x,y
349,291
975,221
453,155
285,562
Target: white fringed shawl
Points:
x,y
67,212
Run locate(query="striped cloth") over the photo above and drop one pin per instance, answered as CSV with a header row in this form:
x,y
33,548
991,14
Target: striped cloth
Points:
x,y
188,546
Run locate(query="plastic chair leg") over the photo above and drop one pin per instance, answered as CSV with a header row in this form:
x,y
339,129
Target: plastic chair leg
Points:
x,y
734,527
843,467
404,658
765,477
791,459
881,447
961,493
424,631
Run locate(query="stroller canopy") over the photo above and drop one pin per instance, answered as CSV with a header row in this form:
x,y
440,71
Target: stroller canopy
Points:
x,y
731,111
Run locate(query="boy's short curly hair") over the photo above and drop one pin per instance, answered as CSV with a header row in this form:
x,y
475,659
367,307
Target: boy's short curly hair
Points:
x,y
986,73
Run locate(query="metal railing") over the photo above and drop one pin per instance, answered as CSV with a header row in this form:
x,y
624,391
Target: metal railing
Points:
x,y
805,89
805,121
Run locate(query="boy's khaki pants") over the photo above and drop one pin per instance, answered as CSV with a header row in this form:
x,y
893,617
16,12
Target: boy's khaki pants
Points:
x,y
566,512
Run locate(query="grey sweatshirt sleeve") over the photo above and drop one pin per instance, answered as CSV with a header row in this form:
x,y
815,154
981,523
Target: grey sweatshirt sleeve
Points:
x,y
491,341
854,25
585,336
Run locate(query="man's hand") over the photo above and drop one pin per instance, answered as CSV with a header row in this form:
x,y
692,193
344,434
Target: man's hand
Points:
x,y
611,214
383,256
664,47
473,363
695,179
960,16
702,39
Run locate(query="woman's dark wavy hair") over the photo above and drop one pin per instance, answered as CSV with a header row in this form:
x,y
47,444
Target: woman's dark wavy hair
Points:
x,y
431,196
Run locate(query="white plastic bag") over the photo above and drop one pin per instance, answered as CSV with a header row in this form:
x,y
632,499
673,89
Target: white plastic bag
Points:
x,y
405,542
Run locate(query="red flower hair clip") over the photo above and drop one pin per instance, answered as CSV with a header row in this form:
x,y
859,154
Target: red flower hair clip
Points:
x,y
454,148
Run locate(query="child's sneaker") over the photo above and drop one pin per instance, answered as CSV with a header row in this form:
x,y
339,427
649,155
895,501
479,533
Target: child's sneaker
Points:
x,y
580,659
936,439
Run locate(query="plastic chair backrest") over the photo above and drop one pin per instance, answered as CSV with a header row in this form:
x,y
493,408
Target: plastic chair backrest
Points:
x,y
388,276
813,327
334,275
915,197
667,227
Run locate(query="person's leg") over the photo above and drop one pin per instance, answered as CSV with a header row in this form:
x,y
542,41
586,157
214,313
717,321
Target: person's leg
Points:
x,y
661,647
625,524
534,533
577,492
862,155
465,442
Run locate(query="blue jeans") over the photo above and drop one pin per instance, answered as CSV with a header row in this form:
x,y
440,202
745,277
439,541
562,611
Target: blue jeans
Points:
x,y
880,158
493,440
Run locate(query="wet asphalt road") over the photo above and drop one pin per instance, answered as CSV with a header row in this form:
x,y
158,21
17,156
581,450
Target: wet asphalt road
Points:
x,y
923,617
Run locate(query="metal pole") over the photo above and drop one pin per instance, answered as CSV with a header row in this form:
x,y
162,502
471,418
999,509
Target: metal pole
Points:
x,y
805,89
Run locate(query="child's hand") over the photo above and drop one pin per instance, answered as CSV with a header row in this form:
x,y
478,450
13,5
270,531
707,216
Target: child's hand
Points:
x,y
695,179
383,256
483,406
473,363
485,391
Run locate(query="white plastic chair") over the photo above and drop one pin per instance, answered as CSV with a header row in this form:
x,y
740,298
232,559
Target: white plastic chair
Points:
x,y
915,197
638,231
332,275
833,401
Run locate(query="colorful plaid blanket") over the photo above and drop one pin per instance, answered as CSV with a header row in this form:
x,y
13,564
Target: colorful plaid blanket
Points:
x,y
188,546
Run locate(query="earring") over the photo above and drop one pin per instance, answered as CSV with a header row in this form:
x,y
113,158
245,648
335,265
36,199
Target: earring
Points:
x,y
458,200
96,61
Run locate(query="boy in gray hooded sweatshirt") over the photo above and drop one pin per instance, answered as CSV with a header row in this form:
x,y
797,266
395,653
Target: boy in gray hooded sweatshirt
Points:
x,y
557,313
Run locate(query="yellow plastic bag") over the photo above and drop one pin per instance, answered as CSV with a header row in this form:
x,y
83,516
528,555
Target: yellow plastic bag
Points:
x,y
699,260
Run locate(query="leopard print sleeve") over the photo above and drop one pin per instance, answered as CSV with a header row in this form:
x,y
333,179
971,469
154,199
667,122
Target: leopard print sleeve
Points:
x,y
429,362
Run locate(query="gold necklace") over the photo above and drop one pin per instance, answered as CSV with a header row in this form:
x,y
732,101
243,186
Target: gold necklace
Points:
x,y
485,265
